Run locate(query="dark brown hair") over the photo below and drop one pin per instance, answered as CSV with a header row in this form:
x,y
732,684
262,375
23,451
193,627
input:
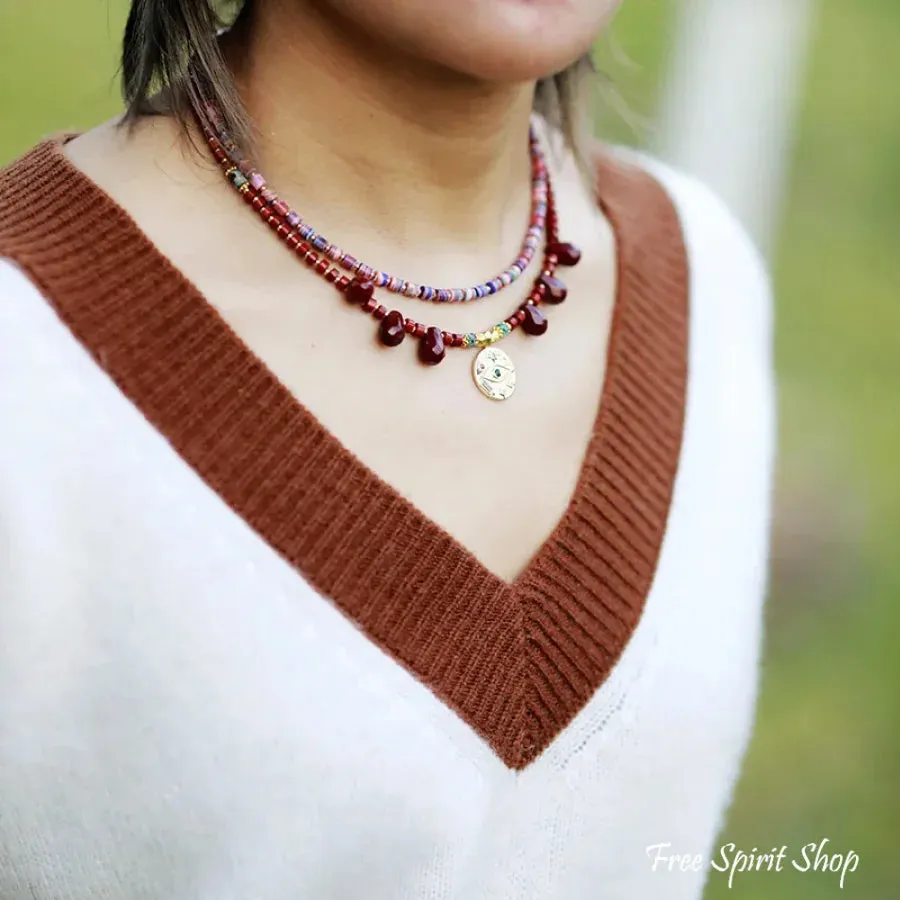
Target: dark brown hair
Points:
x,y
161,35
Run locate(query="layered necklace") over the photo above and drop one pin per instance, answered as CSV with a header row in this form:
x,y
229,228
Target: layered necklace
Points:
x,y
492,369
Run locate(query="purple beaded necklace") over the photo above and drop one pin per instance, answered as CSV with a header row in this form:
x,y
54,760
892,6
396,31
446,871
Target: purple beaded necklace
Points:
x,y
492,369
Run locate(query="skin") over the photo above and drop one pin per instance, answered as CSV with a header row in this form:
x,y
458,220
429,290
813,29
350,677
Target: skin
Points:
x,y
410,153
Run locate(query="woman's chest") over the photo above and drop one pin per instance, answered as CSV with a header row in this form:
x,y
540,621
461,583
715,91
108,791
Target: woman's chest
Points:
x,y
182,710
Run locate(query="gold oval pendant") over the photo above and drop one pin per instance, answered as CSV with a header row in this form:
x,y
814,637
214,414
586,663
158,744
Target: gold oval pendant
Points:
x,y
494,373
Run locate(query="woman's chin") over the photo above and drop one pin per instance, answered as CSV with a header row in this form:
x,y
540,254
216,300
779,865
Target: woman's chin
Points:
x,y
488,40
512,63
521,40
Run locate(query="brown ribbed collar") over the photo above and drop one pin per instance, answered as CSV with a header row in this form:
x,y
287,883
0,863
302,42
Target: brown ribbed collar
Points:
x,y
515,661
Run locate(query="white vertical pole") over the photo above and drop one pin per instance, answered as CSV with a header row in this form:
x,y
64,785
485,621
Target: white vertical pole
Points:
x,y
730,101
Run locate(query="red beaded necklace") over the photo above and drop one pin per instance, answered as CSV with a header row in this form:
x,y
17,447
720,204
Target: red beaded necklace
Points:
x,y
492,369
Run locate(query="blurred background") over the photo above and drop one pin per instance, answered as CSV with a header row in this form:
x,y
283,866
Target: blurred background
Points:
x,y
791,110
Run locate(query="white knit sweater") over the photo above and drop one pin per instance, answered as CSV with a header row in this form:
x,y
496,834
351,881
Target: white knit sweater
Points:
x,y
183,716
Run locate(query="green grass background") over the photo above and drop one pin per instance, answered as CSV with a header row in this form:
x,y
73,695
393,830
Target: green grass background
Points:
x,y
825,761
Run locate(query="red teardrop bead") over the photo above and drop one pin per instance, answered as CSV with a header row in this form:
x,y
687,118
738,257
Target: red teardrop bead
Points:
x,y
431,346
360,291
554,290
567,254
392,329
535,322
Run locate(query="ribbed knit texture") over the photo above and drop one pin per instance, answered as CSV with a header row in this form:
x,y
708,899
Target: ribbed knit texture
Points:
x,y
516,661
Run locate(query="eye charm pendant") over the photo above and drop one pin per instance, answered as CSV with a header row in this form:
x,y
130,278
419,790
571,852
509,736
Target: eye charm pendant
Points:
x,y
494,374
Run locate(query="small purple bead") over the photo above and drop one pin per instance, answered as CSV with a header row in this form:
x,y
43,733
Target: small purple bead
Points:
x,y
257,182
267,195
306,232
320,243
292,219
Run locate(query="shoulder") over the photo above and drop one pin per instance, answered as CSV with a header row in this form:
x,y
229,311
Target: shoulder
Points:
x,y
730,361
19,297
28,325
728,275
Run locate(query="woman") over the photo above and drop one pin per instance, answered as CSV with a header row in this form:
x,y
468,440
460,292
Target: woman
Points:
x,y
307,591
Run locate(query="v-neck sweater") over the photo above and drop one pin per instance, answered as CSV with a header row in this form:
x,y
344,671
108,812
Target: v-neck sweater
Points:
x,y
238,663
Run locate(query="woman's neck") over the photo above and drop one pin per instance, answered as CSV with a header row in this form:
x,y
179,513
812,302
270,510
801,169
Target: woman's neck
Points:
x,y
418,152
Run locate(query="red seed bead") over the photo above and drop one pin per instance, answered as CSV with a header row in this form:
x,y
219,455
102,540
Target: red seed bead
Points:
x,y
342,283
282,231
370,305
360,291
554,291
419,330
431,347
567,254
256,203
322,266
392,329
281,208
520,317
332,276
380,312
409,326
292,240
311,258
535,322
